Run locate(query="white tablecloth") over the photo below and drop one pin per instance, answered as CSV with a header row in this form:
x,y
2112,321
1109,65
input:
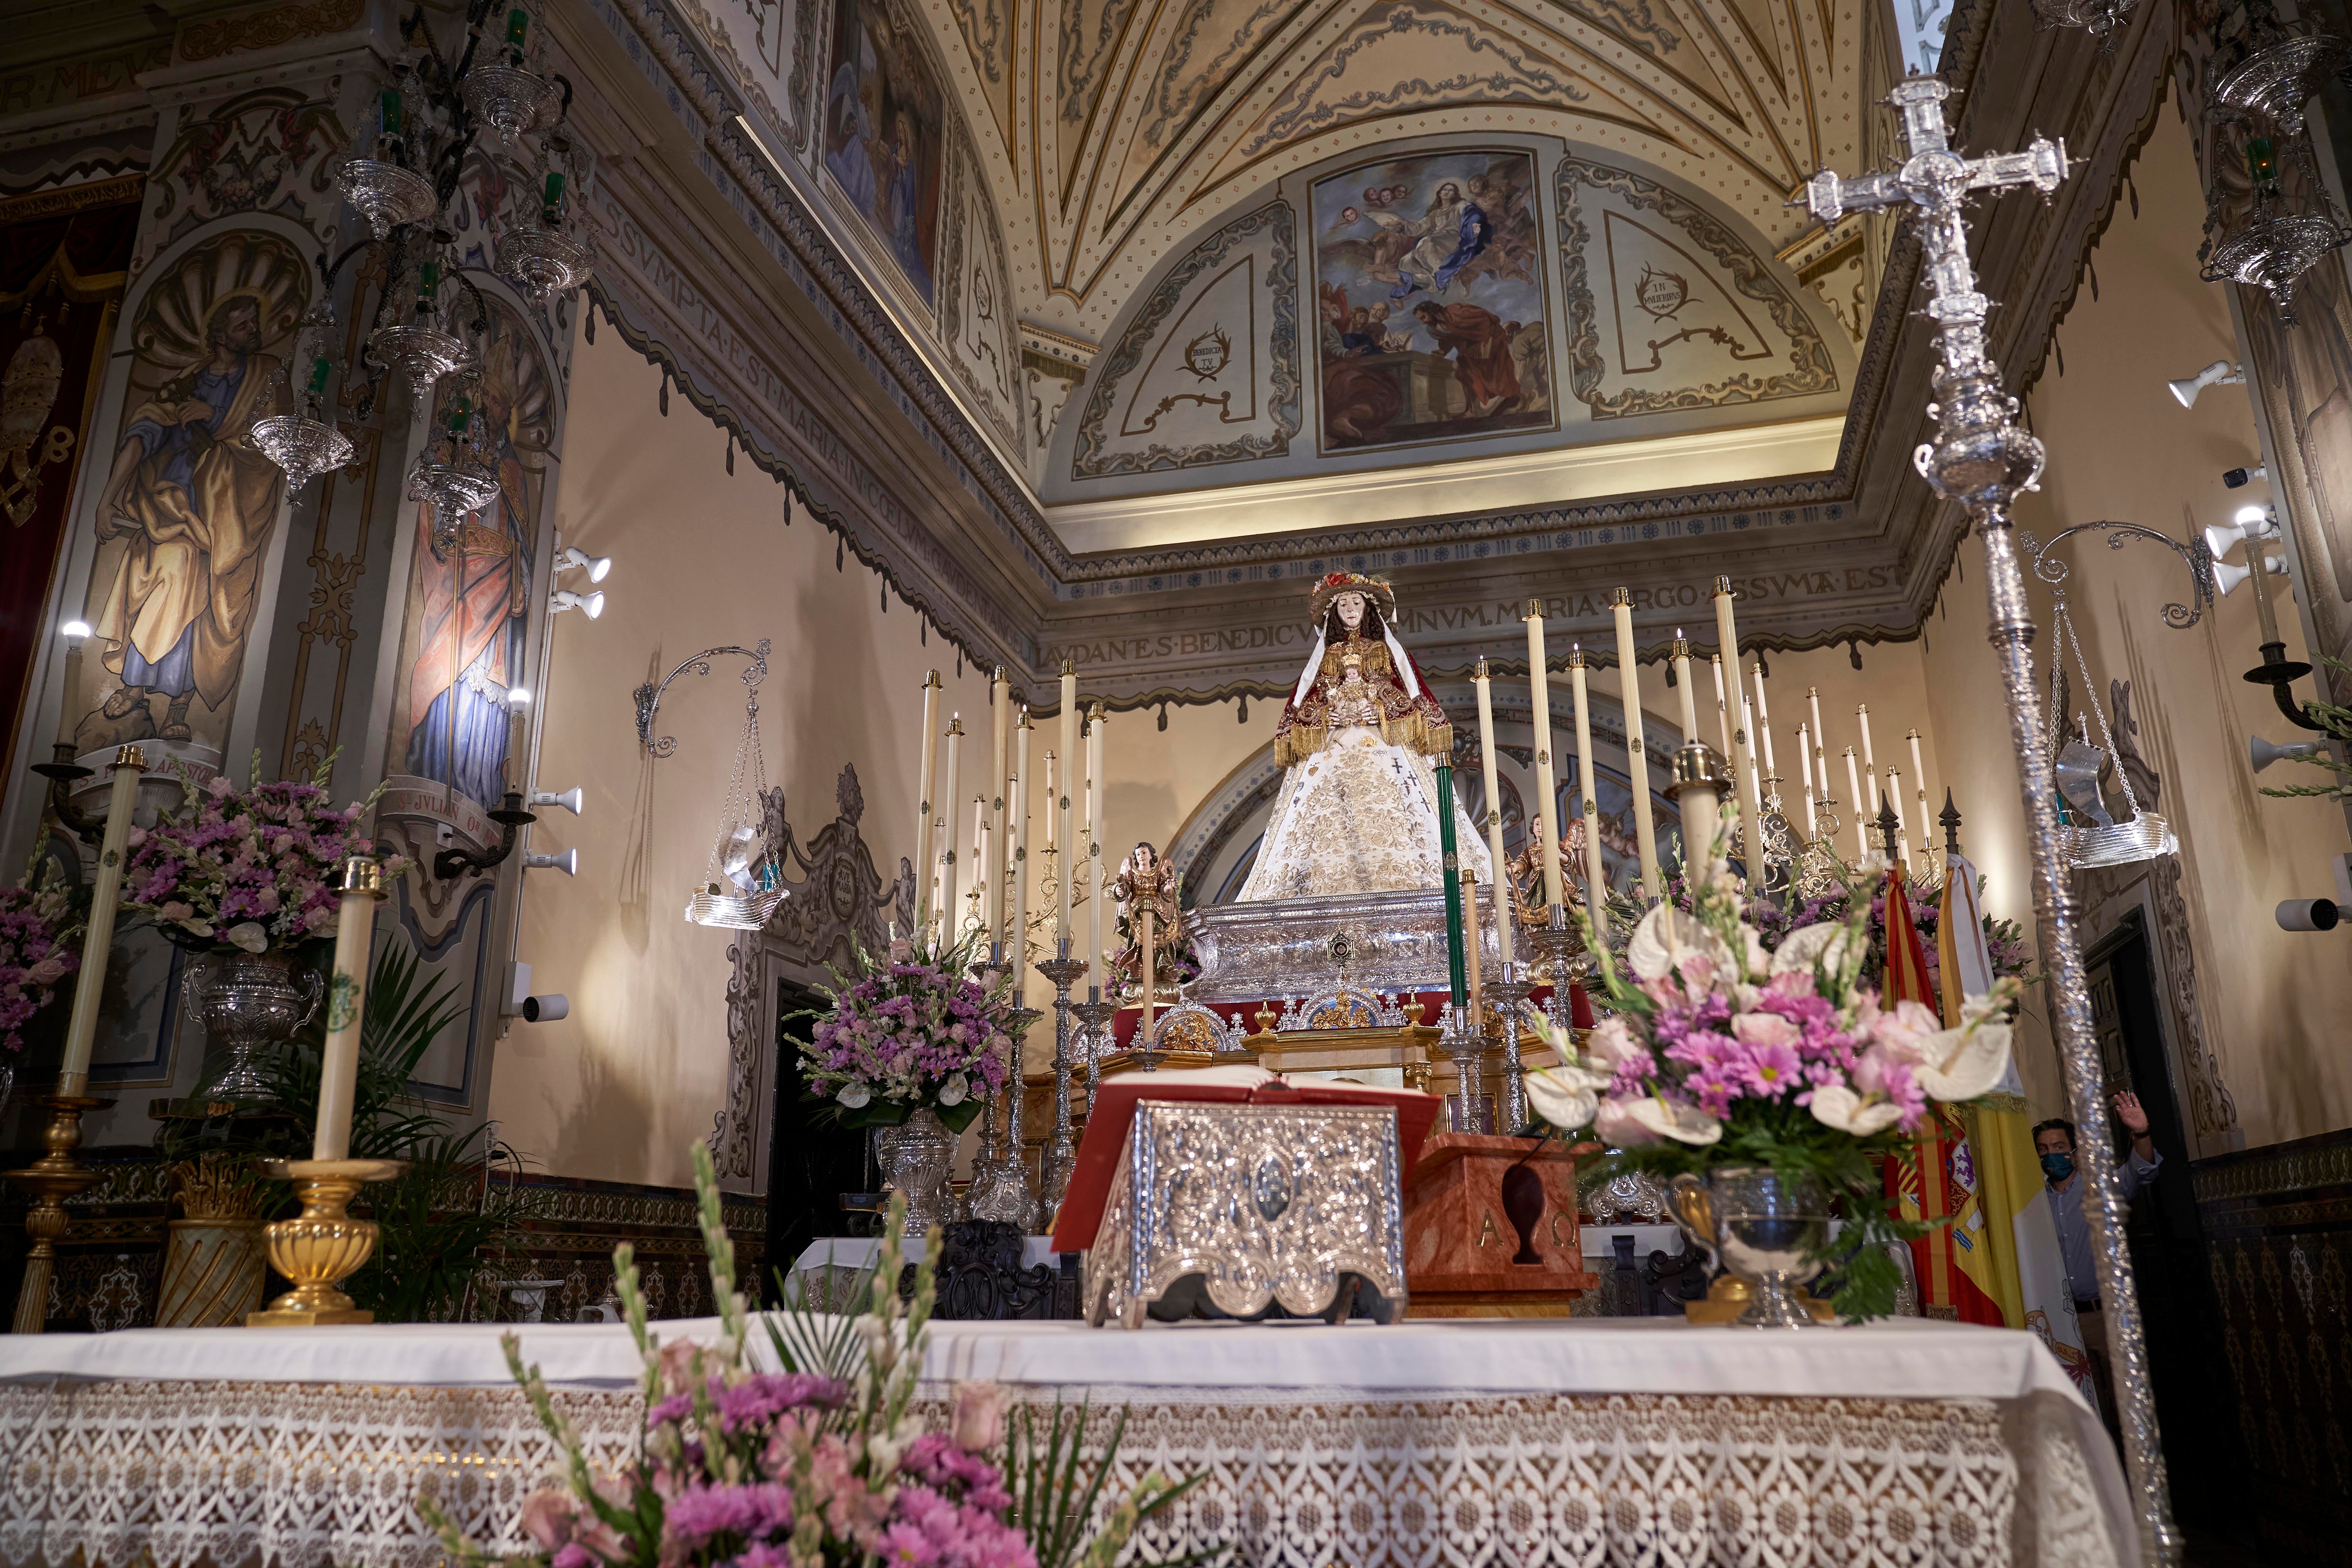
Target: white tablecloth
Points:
x,y
1517,1442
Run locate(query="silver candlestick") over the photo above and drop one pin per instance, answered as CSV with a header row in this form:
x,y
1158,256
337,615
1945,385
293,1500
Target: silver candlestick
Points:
x,y
1000,1187
1465,1043
1054,1166
1097,1014
1561,944
1982,459
1508,992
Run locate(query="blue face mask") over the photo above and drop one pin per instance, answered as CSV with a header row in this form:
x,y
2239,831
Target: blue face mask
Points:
x,y
2058,1167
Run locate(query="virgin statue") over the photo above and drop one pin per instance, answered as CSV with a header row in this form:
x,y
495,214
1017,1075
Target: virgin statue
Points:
x,y
1357,811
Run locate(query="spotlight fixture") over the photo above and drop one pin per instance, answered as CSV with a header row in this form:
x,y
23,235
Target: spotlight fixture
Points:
x,y
2263,754
75,633
2226,576
2220,373
568,862
565,599
574,557
2310,914
518,699
569,800
2239,478
2251,523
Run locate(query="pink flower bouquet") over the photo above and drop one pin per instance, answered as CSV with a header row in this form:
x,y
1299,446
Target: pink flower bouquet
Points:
x,y
252,868
912,1031
36,922
1722,1053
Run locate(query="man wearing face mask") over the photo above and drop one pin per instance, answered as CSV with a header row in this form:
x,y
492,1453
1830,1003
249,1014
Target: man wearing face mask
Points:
x,y
2054,1140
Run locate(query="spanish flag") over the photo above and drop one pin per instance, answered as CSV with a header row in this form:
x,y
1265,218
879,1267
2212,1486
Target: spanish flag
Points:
x,y
1938,1182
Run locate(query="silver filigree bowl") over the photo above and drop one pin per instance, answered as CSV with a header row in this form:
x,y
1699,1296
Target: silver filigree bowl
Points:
x,y
422,355
386,194
2144,837
453,489
2272,252
304,447
2277,79
511,101
544,262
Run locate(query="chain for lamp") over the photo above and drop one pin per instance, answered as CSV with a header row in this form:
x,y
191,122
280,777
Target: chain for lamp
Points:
x,y
1982,459
2276,242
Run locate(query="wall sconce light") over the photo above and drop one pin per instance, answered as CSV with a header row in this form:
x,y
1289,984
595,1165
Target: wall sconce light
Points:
x,y
2226,576
2262,753
2251,523
569,800
565,599
2311,914
568,862
2220,373
573,558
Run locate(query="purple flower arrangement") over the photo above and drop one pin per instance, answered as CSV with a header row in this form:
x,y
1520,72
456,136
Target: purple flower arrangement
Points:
x,y
912,1031
1722,1050
252,868
36,921
814,1461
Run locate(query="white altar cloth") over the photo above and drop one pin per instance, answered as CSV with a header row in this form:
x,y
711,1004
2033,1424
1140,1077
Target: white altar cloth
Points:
x,y
1606,1431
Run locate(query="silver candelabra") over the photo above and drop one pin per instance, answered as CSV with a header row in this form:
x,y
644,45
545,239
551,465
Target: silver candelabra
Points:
x,y
1054,1165
1511,989
1000,1187
1982,459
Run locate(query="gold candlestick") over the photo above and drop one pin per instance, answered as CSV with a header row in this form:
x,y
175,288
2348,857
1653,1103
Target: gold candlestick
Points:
x,y
321,1247
53,1178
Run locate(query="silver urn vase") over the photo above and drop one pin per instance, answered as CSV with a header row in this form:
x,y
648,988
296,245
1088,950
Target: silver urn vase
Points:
x,y
916,1158
1767,1230
249,1003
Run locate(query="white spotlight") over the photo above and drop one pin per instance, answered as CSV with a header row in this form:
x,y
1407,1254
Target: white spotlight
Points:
x,y
2220,373
517,697
568,862
2226,576
2263,754
74,632
569,800
2251,522
574,556
565,599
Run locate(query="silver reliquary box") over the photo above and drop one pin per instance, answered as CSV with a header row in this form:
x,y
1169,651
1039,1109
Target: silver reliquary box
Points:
x,y
1250,1206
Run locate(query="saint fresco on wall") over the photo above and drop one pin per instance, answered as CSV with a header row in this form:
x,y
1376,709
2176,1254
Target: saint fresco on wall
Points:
x,y
187,513
1430,300
468,610
883,143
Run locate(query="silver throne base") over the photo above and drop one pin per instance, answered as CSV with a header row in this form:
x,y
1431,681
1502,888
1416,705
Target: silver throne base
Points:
x,y
1283,947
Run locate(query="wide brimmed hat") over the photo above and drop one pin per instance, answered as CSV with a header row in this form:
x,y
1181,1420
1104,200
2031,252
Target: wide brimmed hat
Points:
x,y
1329,589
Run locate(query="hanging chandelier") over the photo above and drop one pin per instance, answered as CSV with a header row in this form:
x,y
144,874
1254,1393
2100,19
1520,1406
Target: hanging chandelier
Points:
x,y
2283,235
403,181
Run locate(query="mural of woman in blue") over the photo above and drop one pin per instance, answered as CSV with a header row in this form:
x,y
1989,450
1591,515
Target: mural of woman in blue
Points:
x,y
1449,237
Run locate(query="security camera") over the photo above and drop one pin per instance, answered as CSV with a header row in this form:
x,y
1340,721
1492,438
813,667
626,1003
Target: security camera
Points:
x,y
2263,754
568,862
565,599
2311,914
573,558
569,800
2220,373
555,1005
2239,478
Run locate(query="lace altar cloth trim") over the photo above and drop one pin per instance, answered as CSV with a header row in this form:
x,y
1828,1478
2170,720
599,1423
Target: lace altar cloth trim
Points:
x,y
304,1475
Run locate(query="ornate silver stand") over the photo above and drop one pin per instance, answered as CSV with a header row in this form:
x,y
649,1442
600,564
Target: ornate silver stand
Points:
x,y
1096,1014
1508,992
1000,1178
1054,1165
1465,1044
1980,459
1561,944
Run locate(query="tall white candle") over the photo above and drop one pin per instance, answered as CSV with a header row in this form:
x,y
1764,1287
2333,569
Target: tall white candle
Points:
x,y
1754,777
1066,861
924,847
1919,785
1494,823
1018,800
1805,777
1722,702
1539,693
1869,761
946,912
129,766
1629,675
1821,740
992,879
1861,824
1902,828
1683,689
983,869
1764,723
1096,890
1596,871
1741,751
339,1064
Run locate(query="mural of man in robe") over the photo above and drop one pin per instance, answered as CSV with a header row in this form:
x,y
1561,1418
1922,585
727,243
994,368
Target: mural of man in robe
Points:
x,y
468,610
196,506
1480,348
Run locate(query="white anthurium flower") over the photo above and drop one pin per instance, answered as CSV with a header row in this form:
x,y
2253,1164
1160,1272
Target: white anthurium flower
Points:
x,y
1860,1115
952,1092
1567,1105
855,1095
1963,1063
249,936
1804,951
1666,937
1683,1123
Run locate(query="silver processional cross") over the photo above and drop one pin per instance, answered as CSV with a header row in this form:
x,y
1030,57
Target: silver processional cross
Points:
x,y
1982,459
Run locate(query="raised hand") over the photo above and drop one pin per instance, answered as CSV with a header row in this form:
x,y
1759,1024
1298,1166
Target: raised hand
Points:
x,y
2130,1113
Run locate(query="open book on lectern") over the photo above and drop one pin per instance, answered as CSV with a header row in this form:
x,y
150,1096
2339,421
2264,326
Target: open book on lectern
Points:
x,y
1114,1112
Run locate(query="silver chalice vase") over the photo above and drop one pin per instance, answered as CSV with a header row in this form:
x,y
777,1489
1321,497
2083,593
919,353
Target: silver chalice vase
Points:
x,y
915,1157
250,1002
1767,1230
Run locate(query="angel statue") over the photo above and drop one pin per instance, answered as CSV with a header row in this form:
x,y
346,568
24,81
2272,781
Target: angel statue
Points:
x,y
1357,812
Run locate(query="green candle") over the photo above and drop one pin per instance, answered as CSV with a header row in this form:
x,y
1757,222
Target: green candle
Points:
x,y
1456,967
460,413
550,210
388,110
318,375
2262,162
518,23
428,286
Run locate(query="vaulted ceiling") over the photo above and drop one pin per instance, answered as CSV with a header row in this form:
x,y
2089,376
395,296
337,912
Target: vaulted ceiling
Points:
x,y
1112,130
